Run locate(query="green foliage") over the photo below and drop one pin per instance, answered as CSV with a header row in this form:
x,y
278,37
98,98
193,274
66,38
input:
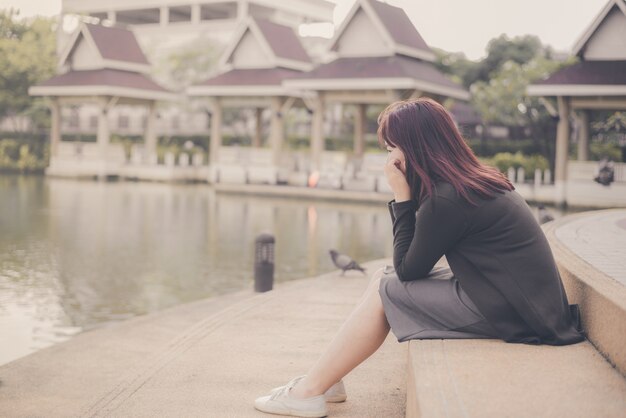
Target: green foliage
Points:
x,y
502,161
23,156
27,48
488,148
189,64
598,150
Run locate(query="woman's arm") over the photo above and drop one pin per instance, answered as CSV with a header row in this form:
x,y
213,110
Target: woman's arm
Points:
x,y
421,239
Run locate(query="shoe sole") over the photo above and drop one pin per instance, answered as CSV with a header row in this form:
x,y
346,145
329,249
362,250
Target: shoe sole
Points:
x,y
336,398
290,412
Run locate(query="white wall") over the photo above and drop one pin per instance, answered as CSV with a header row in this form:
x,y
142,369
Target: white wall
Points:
x,y
249,53
609,40
85,57
361,38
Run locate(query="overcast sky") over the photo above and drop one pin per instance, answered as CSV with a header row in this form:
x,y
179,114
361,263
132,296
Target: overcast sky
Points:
x,y
455,25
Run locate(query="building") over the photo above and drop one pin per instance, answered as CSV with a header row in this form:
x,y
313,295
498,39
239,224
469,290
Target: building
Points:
x,y
596,82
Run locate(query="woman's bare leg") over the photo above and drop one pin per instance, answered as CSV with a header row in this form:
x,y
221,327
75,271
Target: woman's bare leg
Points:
x,y
358,338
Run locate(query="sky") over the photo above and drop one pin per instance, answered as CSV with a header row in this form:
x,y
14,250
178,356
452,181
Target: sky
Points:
x,y
455,25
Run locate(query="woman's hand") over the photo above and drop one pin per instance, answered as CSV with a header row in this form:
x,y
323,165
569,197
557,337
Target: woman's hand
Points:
x,y
395,171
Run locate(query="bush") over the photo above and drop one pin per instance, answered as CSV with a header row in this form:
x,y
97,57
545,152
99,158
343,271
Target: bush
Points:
x,y
502,161
489,148
22,156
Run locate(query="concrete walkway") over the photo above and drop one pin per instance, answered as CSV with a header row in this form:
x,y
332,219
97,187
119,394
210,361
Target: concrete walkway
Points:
x,y
599,238
211,358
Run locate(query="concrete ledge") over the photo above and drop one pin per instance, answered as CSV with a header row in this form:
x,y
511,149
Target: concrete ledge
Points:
x,y
486,378
602,299
492,378
303,192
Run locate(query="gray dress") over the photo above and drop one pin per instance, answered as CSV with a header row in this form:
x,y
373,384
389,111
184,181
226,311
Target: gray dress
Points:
x,y
433,307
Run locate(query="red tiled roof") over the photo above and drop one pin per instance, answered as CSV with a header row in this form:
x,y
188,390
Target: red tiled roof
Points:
x,y
380,67
589,72
104,77
251,77
283,41
399,25
117,44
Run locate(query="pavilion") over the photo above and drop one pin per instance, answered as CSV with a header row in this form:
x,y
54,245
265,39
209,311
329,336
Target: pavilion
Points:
x,y
261,55
104,66
377,56
596,82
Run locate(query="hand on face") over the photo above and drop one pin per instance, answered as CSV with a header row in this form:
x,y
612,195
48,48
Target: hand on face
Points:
x,y
395,171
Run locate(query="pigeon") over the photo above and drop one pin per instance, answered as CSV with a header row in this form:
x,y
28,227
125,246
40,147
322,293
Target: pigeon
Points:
x,y
344,262
543,215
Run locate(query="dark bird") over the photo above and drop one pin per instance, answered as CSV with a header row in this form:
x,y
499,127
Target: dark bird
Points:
x,y
344,262
543,215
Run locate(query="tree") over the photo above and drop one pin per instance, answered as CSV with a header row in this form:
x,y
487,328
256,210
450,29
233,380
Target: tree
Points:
x,y
27,48
503,100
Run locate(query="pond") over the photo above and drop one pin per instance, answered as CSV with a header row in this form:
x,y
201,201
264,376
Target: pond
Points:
x,y
77,254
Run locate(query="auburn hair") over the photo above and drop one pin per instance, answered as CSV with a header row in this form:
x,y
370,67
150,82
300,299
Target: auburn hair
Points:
x,y
434,150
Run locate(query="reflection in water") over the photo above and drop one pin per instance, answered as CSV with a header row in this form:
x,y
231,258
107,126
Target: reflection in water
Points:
x,y
75,254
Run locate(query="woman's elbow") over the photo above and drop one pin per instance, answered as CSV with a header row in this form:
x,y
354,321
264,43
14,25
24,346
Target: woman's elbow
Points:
x,y
408,275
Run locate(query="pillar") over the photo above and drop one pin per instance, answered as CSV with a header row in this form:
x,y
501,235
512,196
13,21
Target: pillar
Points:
x,y
164,16
277,129
103,129
216,131
583,136
150,136
317,132
562,148
111,16
258,128
55,127
195,13
242,9
359,130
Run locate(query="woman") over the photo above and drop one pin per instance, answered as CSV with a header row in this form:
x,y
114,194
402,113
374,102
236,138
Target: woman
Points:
x,y
502,281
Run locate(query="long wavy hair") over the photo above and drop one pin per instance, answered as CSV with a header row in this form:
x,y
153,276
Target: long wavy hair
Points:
x,y
435,150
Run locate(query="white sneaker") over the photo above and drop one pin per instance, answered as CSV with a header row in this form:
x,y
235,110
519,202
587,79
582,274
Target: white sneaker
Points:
x,y
280,402
336,393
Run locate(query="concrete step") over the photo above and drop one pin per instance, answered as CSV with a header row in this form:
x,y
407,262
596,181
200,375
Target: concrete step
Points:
x,y
486,378
491,378
207,361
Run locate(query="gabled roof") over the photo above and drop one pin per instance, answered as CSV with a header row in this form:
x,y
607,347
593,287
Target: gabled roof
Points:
x,y
245,82
102,82
393,25
372,73
279,43
585,78
117,47
597,22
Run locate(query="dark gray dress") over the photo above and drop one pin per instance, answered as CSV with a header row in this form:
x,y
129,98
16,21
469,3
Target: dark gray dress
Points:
x,y
502,283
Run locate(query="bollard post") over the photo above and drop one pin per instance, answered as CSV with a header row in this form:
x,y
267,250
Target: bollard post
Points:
x,y
264,262
511,174
521,175
537,177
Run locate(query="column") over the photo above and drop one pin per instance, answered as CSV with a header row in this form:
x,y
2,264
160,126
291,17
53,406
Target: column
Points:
x,y
242,9
103,129
164,17
258,128
195,13
562,145
277,129
150,138
111,16
583,136
359,130
55,126
216,131
317,132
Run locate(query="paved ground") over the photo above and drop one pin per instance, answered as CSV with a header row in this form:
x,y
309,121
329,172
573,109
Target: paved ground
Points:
x,y
599,238
207,359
